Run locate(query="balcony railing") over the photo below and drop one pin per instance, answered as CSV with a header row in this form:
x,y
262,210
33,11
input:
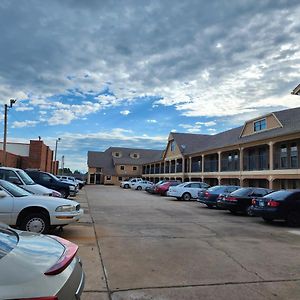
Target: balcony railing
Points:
x,y
211,166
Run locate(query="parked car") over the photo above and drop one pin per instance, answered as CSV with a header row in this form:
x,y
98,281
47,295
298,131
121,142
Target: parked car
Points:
x,y
50,181
151,189
35,213
163,188
280,205
126,184
215,193
20,178
141,185
81,183
69,179
187,190
35,266
241,199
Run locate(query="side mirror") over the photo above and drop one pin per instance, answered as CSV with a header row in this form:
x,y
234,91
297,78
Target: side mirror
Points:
x,y
2,194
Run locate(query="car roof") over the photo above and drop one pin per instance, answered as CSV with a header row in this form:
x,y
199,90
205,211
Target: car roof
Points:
x,y
9,168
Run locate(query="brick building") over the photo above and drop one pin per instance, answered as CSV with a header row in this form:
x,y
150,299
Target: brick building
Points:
x,y
35,155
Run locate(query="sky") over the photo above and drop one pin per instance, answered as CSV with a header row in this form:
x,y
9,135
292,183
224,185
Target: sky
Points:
x,y
127,73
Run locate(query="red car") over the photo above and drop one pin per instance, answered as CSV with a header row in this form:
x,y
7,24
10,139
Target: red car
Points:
x,y
163,188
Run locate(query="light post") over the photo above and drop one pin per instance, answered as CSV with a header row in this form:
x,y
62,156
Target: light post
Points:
x,y
56,142
6,107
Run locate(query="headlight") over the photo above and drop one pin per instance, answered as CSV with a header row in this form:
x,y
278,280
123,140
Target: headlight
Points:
x,y
66,208
72,188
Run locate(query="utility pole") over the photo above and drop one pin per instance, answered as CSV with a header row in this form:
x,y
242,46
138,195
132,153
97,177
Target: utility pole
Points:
x,y
56,142
6,107
62,164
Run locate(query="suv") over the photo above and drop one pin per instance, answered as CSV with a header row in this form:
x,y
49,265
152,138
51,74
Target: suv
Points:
x,y
127,183
50,181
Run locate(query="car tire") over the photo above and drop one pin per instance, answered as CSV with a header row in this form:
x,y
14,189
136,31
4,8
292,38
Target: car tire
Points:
x,y
249,211
126,186
64,194
268,220
293,219
35,222
186,197
139,188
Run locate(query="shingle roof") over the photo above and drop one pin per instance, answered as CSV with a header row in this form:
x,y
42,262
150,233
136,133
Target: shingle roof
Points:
x,y
107,162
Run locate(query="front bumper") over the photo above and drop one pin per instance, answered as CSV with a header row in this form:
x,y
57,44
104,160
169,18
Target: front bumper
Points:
x,y
64,218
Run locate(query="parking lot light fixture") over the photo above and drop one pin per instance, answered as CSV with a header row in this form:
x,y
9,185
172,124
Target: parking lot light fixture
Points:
x,y
56,142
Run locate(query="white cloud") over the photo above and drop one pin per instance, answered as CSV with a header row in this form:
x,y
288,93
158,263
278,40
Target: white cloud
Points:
x,y
125,112
21,124
24,108
151,121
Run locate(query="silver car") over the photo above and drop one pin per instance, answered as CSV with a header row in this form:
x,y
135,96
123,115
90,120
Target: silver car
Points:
x,y
35,266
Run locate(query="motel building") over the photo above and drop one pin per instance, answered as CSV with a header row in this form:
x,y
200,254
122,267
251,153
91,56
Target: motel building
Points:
x,y
264,152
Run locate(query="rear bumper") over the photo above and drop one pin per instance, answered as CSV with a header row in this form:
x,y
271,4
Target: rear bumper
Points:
x,y
270,213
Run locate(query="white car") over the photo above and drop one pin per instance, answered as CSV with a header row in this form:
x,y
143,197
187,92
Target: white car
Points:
x,y
69,179
35,213
126,184
187,190
141,185
20,178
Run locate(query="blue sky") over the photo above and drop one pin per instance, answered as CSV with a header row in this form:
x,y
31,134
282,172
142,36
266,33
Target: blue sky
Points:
x,y
106,73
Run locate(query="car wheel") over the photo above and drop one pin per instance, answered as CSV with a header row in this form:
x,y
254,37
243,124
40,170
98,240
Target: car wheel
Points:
x,y
35,222
267,220
210,206
64,194
139,188
293,219
126,186
249,211
186,196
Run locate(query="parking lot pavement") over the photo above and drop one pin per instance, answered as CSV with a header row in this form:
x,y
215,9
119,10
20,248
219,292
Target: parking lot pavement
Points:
x,y
154,247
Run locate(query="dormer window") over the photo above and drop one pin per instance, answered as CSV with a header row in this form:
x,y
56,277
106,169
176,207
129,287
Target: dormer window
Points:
x,y
117,154
260,125
134,155
172,146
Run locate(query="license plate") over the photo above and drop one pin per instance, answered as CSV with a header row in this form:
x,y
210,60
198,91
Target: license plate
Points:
x,y
261,203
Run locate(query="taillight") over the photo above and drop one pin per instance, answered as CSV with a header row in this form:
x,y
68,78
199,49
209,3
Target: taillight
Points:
x,y
232,199
272,203
253,201
206,194
66,258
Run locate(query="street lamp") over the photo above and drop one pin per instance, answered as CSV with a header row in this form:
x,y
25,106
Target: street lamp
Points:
x,y
6,107
56,142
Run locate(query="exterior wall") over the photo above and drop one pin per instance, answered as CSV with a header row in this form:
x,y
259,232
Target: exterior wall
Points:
x,y
128,171
12,160
172,154
272,122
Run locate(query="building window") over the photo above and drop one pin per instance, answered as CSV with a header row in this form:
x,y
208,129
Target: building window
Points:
x,y
260,125
294,155
283,156
117,154
98,170
134,168
108,178
120,178
122,168
172,146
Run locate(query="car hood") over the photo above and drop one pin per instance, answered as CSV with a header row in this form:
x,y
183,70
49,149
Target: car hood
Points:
x,y
33,255
37,189
56,200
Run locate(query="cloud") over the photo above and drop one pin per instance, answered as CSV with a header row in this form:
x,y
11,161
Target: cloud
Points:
x,y
22,124
151,121
125,112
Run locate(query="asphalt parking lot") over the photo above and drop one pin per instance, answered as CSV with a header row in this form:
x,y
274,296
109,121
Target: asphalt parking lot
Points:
x,y
139,246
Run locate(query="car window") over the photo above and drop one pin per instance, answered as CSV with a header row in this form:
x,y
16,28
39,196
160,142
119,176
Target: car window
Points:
x,y
27,180
10,176
8,241
279,195
34,175
13,189
242,192
216,189
231,189
45,177
195,185
204,185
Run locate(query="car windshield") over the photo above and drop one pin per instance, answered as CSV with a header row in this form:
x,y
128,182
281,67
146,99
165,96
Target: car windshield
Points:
x,y
14,189
242,192
8,241
27,180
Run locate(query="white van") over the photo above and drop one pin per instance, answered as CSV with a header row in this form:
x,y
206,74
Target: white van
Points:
x,y
20,178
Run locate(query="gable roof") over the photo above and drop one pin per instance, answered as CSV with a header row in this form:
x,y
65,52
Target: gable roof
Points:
x,y
101,160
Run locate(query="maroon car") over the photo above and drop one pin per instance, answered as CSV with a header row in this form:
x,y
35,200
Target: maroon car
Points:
x,y
163,188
